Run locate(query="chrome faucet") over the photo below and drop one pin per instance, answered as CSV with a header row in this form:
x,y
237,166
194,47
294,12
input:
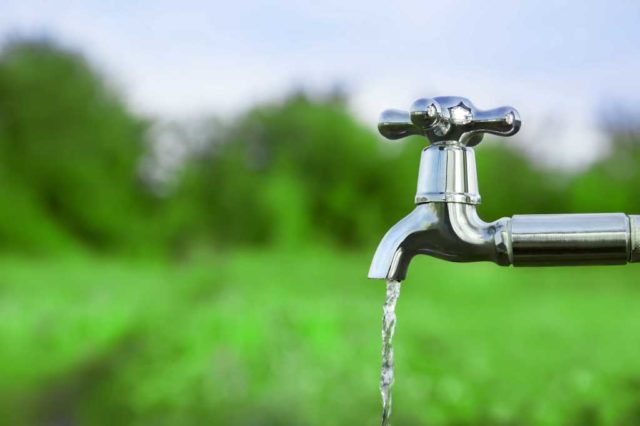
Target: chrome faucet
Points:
x,y
445,223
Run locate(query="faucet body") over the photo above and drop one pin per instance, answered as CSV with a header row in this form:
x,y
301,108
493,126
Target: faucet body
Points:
x,y
449,231
445,224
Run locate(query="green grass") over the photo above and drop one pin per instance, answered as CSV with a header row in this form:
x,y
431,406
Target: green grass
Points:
x,y
293,338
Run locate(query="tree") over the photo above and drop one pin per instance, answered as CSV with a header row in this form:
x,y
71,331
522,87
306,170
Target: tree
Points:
x,y
69,146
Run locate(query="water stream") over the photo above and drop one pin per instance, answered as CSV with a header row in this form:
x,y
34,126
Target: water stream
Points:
x,y
388,327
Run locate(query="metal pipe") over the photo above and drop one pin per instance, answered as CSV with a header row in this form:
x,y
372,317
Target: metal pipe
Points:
x,y
571,239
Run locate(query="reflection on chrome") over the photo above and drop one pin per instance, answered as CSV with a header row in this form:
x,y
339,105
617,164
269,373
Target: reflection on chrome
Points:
x,y
445,224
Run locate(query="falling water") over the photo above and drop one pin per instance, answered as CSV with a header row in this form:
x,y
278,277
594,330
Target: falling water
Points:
x,y
388,327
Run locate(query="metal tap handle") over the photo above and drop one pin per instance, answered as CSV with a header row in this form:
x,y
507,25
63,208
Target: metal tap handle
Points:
x,y
449,119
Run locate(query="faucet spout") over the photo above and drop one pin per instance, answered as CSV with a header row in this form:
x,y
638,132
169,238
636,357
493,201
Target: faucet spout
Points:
x,y
448,231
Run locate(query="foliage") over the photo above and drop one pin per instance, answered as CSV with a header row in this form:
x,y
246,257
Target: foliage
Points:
x,y
69,152
301,171
611,184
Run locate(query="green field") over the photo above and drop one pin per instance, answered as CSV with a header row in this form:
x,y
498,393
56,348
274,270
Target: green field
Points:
x,y
293,338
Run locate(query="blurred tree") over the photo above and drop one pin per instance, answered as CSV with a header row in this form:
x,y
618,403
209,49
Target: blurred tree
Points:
x,y
511,184
609,185
70,148
300,171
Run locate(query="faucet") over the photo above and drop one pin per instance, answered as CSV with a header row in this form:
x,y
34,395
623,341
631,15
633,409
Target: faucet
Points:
x,y
445,224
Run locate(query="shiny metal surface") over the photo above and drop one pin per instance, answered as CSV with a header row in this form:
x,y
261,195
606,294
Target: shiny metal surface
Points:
x,y
449,231
448,173
448,119
445,223
570,239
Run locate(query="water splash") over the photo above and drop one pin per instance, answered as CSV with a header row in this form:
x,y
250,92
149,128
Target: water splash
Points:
x,y
388,328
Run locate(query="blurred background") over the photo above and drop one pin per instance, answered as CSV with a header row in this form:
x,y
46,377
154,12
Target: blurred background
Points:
x,y
191,194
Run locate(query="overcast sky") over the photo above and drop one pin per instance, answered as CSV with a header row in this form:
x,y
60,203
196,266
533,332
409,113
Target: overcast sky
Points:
x,y
556,62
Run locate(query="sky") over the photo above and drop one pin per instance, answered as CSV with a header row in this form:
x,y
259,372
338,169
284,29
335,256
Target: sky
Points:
x,y
560,63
